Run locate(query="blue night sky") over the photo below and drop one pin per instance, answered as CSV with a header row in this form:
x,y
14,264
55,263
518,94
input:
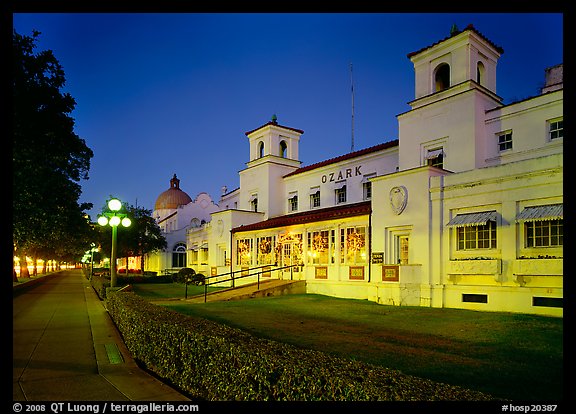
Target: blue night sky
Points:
x,y
159,94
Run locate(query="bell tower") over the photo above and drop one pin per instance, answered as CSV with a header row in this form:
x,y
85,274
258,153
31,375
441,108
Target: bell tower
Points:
x,y
466,59
273,154
274,140
455,84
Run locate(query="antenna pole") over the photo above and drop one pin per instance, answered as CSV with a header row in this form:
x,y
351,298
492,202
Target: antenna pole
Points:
x,y
352,89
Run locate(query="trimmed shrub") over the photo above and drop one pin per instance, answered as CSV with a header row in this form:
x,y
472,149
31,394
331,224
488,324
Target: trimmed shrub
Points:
x,y
216,362
198,279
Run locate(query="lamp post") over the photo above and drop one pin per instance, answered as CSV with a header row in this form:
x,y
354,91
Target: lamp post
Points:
x,y
92,249
114,218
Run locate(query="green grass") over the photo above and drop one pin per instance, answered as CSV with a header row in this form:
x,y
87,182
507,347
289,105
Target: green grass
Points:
x,y
514,356
169,290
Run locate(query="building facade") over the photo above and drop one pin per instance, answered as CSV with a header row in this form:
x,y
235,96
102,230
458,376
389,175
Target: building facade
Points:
x,y
463,210
177,214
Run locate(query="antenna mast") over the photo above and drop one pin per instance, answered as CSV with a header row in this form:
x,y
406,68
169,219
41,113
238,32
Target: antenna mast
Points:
x,y
352,87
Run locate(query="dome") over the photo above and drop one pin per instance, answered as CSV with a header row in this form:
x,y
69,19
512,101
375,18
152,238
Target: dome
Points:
x,y
173,197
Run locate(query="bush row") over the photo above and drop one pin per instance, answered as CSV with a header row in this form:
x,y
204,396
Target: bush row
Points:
x,y
216,362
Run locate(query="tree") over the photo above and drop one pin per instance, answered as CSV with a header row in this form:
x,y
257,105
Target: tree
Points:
x,y
48,158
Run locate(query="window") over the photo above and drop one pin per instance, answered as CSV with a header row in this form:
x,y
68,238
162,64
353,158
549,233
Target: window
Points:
x,y
556,128
340,194
254,203
435,157
265,250
353,245
442,77
367,186
321,247
283,149
260,149
480,73
179,255
504,141
293,203
547,233
476,237
367,190
474,298
244,252
315,199
402,249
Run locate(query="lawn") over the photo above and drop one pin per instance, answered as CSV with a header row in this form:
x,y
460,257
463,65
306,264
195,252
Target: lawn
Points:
x,y
513,356
169,290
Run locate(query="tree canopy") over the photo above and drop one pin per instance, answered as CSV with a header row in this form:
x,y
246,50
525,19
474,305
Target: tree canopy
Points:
x,y
49,159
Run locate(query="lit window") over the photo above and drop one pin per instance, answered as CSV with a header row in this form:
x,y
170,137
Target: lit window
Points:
x,y
505,141
321,247
556,128
353,245
546,233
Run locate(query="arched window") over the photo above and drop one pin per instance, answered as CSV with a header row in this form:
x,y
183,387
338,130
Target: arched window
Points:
x,y
260,149
442,77
283,149
480,73
179,255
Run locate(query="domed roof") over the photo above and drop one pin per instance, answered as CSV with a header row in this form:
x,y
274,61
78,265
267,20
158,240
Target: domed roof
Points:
x,y
173,197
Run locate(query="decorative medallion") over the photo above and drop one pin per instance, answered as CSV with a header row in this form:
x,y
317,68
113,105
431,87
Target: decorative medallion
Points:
x,y
398,199
220,227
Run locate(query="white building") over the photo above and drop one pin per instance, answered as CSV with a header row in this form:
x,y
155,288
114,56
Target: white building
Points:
x,y
464,210
177,214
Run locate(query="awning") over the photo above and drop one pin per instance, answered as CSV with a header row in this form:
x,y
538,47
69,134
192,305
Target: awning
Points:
x,y
314,190
434,154
472,219
366,178
540,213
339,185
204,246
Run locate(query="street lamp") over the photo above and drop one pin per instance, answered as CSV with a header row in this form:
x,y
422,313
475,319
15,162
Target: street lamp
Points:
x,y
114,218
92,250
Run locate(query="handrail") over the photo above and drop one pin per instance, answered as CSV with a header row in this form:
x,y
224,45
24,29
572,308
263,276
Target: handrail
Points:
x,y
246,275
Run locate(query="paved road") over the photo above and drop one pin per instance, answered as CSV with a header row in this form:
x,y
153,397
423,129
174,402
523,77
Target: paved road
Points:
x,y
66,348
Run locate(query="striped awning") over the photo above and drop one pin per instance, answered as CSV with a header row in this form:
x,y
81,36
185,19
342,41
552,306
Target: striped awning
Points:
x,y
472,219
540,213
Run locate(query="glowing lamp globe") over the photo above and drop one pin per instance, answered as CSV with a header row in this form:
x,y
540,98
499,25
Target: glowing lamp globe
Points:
x,y
114,204
114,221
102,220
126,222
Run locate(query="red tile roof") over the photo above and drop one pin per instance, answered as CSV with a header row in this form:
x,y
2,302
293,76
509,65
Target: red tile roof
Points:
x,y
469,27
330,213
344,157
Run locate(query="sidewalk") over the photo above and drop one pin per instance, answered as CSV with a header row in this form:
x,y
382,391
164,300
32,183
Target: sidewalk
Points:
x,y
66,348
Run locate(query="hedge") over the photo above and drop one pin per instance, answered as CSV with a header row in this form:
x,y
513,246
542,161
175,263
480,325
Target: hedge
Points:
x,y
215,362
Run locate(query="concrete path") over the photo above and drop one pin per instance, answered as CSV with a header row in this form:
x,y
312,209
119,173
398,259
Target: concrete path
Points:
x,y
66,348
